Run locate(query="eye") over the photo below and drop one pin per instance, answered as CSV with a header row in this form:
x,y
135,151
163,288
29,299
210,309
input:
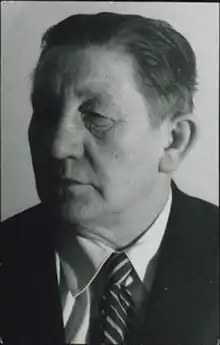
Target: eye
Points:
x,y
96,123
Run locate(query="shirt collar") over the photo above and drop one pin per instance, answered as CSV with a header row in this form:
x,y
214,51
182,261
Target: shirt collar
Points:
x,y
147,246
89,256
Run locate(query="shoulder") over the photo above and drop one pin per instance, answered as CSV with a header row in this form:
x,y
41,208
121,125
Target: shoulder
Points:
x,y
23,217
197,223
197,210
23,230
18,223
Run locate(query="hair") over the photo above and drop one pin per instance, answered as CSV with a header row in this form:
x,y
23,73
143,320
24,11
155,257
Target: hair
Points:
x,y
164,60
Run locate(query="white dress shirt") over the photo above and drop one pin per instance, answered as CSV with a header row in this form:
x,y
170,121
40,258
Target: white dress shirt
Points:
x,y
83,265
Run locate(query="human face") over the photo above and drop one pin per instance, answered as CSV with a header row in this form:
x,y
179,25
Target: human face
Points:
x,y
95,152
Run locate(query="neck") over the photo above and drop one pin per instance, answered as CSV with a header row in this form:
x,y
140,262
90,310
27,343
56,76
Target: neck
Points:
x,y
120,230
142,216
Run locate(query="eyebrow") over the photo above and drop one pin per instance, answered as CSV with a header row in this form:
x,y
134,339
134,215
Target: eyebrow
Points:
x,y
95,97
91,95
90,92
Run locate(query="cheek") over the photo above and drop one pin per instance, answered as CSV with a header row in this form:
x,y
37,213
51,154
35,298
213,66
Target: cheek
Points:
x,y
123,163
137,152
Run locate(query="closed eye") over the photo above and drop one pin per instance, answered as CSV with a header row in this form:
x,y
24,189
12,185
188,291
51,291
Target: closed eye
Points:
x,y
96,123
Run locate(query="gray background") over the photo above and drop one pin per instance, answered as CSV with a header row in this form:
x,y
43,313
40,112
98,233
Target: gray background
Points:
x,y
22,26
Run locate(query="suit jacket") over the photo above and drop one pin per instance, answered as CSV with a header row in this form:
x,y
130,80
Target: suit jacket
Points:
x,y
183,303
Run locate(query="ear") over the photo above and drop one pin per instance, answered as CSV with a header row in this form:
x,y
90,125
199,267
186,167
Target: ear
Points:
x,y
182,135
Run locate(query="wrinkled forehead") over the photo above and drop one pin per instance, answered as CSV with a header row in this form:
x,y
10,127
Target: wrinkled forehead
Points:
x,y
83,71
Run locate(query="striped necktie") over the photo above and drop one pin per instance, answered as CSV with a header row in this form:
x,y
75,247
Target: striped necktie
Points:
x,y
116,304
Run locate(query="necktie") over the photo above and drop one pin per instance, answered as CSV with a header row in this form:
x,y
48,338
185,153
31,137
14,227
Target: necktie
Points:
x,y
116,306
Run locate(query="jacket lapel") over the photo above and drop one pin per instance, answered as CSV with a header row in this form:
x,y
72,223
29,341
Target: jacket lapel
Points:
x,y
38,293
47,302
183,290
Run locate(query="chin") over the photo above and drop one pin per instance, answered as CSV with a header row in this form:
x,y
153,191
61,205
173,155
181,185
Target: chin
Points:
x,y
77,212
76,205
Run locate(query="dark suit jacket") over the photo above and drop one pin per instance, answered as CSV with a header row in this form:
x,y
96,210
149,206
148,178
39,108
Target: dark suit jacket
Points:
x,y
183,303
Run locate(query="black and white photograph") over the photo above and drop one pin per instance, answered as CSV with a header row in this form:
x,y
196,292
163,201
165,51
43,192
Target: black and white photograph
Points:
x,y
109,173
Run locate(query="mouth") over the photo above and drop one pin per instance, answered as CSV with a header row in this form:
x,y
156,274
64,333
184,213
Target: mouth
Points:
x,y
67,186
66,183
72,181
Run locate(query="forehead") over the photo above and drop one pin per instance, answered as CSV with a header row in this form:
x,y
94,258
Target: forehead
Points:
x,y
106,77
91,71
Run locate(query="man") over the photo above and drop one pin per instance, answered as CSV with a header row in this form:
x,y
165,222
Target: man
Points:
x,y
115,253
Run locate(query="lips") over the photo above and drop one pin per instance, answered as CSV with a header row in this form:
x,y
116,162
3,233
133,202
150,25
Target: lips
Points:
x,y
66,188
65,183
69,182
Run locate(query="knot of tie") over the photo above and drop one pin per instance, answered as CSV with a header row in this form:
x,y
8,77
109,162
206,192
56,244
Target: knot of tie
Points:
x,y
119,269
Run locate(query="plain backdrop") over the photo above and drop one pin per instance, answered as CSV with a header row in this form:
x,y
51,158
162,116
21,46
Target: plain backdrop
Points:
x,y
22,25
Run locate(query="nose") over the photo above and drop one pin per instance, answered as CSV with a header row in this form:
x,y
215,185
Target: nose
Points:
x,y
68,139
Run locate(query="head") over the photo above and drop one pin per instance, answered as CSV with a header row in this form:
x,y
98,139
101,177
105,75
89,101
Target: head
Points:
x,y
112,115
